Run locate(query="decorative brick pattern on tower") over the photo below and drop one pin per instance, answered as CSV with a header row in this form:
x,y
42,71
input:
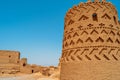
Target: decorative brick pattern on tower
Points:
x,y
91,44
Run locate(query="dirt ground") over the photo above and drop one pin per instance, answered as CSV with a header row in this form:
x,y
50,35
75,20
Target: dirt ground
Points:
x,y
35,76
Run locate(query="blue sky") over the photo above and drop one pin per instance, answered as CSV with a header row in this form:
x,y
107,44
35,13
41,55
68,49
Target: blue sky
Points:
x,y
35,28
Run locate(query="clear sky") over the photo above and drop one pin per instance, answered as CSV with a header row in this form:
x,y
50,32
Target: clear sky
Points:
x,y
35,28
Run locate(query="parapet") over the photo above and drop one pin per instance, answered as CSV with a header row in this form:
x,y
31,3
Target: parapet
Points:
x,y
88,8
96,1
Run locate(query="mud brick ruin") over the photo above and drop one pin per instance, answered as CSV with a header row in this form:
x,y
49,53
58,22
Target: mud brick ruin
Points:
x,y
91,44
10,63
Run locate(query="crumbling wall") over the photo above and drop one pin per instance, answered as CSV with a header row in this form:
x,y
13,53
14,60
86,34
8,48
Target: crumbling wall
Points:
x,y
48,71
9,68
23,62
27,68
10,63
9,57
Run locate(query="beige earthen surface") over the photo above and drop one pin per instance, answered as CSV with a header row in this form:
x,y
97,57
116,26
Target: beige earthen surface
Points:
x,y
9,57
34,76
91,70
91,44
10,63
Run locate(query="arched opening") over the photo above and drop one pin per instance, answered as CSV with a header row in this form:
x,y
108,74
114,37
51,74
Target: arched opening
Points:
x,y
115,19
94,16
32,71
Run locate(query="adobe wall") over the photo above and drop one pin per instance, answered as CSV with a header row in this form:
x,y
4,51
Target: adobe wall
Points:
x,y
9,68
27,68
9,57
91,44
10,63
91,70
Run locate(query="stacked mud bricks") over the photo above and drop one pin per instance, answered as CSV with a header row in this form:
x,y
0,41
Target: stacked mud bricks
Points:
x,y
11,63
91,44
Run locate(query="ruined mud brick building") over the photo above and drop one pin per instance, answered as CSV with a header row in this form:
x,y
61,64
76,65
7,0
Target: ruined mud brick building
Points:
x,y
48,71
10,63
91,45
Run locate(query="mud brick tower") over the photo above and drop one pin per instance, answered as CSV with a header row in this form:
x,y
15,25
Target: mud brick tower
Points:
x,y
91,45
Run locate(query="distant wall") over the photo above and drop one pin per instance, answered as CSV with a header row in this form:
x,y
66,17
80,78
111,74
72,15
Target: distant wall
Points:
x,y
9,57
10,63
